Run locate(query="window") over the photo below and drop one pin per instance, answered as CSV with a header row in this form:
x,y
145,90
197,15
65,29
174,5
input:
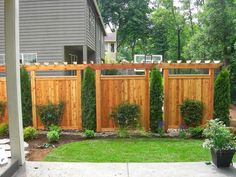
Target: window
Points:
x,y
24,58
112,47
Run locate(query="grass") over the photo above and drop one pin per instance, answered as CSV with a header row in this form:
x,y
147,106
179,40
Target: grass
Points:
x,y
131,150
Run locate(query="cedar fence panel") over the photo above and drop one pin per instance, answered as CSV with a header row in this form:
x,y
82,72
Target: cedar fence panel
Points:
x,y
118,89
112,90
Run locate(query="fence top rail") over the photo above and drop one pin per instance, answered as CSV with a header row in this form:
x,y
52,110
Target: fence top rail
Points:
x,y
67,67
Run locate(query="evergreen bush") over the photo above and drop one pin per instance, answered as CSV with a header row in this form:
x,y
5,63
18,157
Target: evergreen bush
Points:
x,y
50,113
89,100
233,82
2,108
156,101
192,112
26,98
53,136
222,97
126,115
30,133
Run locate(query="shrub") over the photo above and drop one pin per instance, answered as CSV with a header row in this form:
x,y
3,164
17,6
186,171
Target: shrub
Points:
x,y
233,81
126,115
53,136
3,129
218,136
55,128
26,98
196,132
30,133
111,72
192,112
156,101
89,133
123,133
50,113
222,97
89,100
2,108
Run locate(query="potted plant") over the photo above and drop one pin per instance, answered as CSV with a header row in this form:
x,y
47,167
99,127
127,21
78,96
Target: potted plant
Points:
x,y
221,143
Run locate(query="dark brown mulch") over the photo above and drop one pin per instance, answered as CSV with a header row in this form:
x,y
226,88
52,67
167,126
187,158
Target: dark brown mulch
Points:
x,y
37,153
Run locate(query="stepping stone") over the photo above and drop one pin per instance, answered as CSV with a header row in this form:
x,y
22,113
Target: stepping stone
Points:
x,y
4,141
26,145
3,157
6,147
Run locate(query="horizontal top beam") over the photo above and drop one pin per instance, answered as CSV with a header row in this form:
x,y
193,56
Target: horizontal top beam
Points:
x,y
66,67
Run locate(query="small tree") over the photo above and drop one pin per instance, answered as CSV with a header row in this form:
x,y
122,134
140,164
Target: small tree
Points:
x,y
89,100
26,98
156,100
222,97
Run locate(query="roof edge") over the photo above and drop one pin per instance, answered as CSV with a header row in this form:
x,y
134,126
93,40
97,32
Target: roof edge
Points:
x,y
100,16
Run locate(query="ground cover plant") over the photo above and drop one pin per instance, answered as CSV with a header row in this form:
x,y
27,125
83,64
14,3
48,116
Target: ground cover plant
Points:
x,y
131,150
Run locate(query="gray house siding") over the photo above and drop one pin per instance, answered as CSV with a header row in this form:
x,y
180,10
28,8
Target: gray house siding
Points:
x,y
47,26
57,29
2,41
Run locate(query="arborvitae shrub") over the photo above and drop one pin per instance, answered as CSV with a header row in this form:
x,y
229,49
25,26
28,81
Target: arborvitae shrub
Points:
x,y
89,100
26,98
156,101
233,82
222,97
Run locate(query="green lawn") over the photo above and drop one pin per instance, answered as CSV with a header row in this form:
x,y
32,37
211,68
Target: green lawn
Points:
x,y
131,150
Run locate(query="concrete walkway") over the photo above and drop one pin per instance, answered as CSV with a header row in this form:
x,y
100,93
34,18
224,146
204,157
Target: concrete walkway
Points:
x,y
199,169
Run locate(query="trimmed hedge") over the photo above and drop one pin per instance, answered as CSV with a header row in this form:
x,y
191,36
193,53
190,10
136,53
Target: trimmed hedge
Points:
x,y
156,101
89,100
222,97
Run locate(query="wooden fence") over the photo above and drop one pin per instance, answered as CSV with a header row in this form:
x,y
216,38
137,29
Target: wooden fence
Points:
x,y
112,90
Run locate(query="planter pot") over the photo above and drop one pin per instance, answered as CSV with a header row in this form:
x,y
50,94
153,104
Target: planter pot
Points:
x,y
222,158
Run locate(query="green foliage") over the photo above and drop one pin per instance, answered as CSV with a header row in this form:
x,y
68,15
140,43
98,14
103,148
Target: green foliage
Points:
x,y
222,97
26,98
126,115
89,100
30,133
3,129
233,81
123,133
111,72
53,136
196,132
2,108
156,101
89,134
218,136
192,112
55,128
182,133
50,113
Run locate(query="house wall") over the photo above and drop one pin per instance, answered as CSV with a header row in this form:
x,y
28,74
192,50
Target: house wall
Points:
x,y
95,33
46,26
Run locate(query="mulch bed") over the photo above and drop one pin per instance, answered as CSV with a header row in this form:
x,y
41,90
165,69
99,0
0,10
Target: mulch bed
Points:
x,y
37,153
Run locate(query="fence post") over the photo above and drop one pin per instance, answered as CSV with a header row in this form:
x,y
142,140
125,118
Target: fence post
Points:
x,y
79,113
33,97
98,100
166,81
211,106
147,76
